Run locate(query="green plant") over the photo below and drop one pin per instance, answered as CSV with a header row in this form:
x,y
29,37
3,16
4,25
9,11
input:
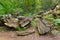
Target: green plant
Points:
x,y
28,8
57,23
54,32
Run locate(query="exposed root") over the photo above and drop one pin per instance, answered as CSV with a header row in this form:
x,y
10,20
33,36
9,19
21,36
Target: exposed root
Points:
x,y
24,33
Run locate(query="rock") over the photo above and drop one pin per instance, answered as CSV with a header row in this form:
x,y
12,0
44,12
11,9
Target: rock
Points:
x,y
17,21
10,21
25,21
41,27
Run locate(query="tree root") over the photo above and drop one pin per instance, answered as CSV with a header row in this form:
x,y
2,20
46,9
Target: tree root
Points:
x,y
24,33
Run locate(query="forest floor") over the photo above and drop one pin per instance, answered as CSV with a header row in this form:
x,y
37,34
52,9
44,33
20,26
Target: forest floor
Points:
x,y
11,35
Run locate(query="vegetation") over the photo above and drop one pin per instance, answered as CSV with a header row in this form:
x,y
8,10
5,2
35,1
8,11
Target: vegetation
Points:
x,y
31,8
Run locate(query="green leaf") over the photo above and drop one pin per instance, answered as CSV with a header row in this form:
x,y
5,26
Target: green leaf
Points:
x,y
54,32
57,20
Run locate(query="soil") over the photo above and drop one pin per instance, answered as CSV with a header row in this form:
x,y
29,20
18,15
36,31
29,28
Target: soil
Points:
x,y
11,35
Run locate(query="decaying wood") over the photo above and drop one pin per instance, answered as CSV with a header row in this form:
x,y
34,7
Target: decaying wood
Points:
x,y
42,26
10,21
51,11
25,21
24,33
17,21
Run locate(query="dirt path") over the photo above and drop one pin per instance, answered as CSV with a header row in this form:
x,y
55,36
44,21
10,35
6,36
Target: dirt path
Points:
x,y
12,36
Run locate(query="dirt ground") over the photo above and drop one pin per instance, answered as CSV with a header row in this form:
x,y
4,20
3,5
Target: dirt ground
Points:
x,y
11,35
